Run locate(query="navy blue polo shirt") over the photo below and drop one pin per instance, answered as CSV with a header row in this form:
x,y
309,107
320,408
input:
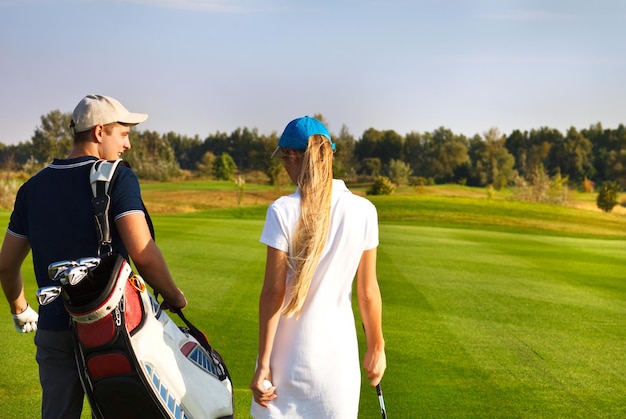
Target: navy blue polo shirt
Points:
x,y
53,211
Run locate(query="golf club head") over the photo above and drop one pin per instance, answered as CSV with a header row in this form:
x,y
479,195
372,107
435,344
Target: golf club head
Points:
x,y
90,262
73,275
57,269
46,295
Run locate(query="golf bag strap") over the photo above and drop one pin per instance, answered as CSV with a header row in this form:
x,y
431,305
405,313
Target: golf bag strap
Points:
x,y
204,342
195,332
101,178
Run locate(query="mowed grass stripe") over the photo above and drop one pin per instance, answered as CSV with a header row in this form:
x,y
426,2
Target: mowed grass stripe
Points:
x,y
503,338
498,214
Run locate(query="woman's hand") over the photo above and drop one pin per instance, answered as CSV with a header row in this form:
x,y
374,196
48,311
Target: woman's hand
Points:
x,y
262,389
375,363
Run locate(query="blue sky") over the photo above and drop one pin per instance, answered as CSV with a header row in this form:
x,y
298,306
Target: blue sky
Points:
x,y
202,66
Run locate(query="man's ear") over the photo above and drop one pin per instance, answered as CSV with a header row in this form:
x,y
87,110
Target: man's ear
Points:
x,y
98,132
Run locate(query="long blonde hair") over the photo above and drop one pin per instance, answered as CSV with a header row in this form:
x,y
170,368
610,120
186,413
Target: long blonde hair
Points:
x,y
315,183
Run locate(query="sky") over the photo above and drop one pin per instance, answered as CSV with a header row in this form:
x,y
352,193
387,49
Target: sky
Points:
x,y
199,67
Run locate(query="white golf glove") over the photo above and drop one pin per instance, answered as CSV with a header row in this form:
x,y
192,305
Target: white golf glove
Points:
x,y
26,321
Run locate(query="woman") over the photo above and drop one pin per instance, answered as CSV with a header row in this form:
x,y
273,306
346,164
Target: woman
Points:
x,y
317,240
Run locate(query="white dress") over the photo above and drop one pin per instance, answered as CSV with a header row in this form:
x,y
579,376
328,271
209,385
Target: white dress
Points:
x,y
315,361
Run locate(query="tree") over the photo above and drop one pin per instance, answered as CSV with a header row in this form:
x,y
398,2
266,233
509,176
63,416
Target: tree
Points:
x,y
344,162
491,162
399,172
188,151
390,147
245,149
442,154
571,155
371,166
608,196
611,158
384,145
599,149
53,138
413,149
540,142
151,156
14,156
517,143
205,165
367,146
224,167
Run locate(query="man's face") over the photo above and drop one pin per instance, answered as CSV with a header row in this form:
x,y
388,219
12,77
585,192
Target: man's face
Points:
x,y
114,141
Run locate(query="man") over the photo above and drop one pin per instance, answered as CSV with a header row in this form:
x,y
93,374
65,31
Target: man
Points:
x,y
53,216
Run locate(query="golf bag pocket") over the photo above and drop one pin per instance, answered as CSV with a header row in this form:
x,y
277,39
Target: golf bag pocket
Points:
x,y
98,333
110,364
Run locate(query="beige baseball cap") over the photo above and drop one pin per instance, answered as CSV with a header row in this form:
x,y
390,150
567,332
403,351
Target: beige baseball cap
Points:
x,y
95,110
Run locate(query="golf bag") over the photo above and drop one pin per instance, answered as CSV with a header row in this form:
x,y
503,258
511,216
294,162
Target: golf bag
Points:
x,y
134,361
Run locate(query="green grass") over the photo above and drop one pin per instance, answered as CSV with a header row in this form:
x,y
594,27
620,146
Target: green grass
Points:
x,y
492,308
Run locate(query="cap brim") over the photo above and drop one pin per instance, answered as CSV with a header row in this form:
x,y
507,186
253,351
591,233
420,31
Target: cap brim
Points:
x,y
275,152
133,118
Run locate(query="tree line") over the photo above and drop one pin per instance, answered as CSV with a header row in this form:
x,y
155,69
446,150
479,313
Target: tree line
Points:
x,y
582,158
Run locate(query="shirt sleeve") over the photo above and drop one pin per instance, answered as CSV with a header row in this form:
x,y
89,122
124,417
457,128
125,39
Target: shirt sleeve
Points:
x,y
371,229
275,233
16,223
126,194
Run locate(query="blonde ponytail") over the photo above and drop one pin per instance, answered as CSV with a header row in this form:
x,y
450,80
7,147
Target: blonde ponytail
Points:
x,y
315,183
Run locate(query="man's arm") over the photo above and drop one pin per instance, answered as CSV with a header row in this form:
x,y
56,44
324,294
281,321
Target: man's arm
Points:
x,y
148,258
14,251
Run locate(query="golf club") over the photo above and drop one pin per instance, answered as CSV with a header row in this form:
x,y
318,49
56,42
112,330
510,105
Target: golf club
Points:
x,y
381,401
73,275
90,262
379,393
57,269
72,271
46,295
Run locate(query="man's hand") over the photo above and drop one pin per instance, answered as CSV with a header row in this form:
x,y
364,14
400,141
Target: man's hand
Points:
x,y
26,321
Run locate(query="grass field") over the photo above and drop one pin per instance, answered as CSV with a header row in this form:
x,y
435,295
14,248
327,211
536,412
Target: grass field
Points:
x,y
492,307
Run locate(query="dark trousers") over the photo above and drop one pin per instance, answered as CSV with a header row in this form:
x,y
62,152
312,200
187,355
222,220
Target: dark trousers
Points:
x,y
63,393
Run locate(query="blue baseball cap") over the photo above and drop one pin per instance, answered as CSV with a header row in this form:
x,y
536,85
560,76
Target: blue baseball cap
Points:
x,y
298,131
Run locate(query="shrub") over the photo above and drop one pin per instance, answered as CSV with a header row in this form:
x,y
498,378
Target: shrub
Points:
x,y
587,185
8,190
224,167
382,186
205,165
608,196
418,181
539,187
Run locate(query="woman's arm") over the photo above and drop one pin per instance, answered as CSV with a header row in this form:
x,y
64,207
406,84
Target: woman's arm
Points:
x,y
270,304
370,306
